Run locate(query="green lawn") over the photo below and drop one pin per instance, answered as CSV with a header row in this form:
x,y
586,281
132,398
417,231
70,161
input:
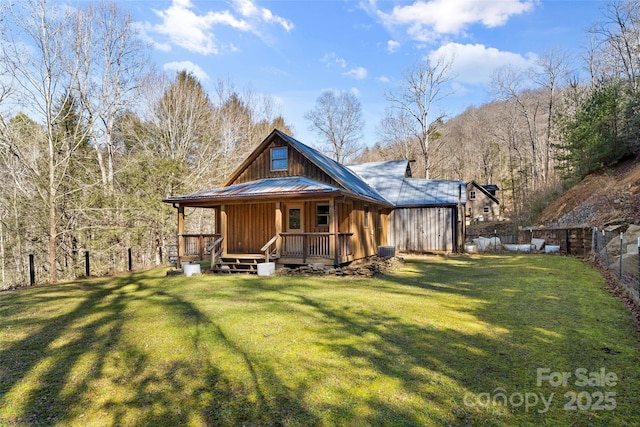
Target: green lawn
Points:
x,y
444,341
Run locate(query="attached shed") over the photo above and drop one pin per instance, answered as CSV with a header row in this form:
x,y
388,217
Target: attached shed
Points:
x,y
428,214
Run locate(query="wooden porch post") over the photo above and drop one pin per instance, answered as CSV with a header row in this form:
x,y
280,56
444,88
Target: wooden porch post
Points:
x,y
278,229
180,235
223,228
334,245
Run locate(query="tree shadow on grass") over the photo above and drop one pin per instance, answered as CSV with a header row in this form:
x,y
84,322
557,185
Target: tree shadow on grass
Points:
x,y
58,343
430,367
66,358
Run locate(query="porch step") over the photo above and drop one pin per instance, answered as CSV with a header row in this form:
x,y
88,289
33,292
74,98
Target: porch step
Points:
x,y
243,263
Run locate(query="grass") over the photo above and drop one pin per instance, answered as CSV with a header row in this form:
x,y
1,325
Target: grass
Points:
x,y
440,342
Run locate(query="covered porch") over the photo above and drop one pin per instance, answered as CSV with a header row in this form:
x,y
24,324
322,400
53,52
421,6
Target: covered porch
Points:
x,y
287,232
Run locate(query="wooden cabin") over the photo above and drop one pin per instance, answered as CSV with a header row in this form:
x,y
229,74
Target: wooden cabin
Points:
x,y
291,204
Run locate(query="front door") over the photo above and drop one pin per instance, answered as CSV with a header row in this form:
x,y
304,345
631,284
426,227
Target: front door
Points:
x,y
294,225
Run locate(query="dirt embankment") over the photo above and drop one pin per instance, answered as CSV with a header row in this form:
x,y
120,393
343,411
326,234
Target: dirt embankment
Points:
x,y
601,199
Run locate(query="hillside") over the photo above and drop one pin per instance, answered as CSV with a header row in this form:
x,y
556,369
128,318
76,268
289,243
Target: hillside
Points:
x,y
608,197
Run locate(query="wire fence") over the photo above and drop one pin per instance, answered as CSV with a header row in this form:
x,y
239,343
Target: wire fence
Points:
x,y
85,264
618,253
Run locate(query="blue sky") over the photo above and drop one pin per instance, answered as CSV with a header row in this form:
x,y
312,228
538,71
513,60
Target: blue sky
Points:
x,y
292,50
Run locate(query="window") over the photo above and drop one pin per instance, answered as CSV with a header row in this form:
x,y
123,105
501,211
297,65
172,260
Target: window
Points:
x,y
295,217
472,195
379,218
486,209
366,217
279,159
322,215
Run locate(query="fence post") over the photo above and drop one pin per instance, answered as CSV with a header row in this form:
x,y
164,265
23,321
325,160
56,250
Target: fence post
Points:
x,y
87,269
160,251
32,269
130,260
621,239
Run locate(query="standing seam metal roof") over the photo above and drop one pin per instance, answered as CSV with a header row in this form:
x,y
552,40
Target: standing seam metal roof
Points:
x,y
384,182
268,186
390,180
339,172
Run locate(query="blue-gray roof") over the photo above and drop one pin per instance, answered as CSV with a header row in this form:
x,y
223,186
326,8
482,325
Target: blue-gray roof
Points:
x,y
337,171
385,182
269,186
420,192
385,177
392,181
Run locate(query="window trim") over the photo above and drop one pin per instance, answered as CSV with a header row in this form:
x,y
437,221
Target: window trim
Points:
x,y
285,158
472,195
322,215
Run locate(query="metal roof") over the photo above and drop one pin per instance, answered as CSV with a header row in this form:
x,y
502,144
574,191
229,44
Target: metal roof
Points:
x,y
385,182
385,177
392,181
420,192
337,171
291,186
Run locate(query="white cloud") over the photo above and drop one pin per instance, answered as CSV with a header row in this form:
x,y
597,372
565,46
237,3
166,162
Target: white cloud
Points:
x,y
475,63
193,31
392,46
358,73
331,59
425,20
248,9
384,79
189,66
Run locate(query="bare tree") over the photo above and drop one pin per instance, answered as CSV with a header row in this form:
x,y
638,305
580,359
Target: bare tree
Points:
x,y
395,132
551,74
424,85
114,63
337,120
35,53
509,84
617,39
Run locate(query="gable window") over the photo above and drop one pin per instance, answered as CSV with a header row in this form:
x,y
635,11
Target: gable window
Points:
x,y
279,159
472,195
322,215
366,217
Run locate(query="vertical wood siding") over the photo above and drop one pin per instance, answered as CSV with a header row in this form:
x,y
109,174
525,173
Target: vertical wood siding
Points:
x,y
423,229
299,165
249,227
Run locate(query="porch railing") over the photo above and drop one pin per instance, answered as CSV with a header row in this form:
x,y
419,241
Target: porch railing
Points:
x,y
195,244
294,245
314,245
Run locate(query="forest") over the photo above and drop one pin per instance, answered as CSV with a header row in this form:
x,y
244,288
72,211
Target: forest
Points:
x,y
93,137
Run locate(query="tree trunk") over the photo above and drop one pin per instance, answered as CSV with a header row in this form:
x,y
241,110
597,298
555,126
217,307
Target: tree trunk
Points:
x,y
52,214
